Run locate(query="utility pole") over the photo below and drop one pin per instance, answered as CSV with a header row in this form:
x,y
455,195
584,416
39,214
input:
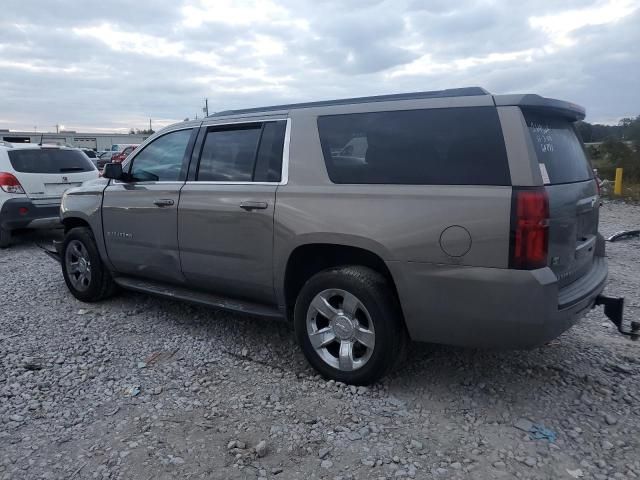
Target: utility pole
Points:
x,y
205,110
57,128
150,129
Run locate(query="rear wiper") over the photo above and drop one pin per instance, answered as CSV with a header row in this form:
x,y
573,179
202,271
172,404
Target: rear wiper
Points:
x,y
72,169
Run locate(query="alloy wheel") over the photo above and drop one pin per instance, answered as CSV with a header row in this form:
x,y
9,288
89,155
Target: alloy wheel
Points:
x,y
340,329
78,265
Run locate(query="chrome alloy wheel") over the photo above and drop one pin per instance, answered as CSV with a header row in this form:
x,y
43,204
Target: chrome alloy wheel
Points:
x,y
340,329
78,265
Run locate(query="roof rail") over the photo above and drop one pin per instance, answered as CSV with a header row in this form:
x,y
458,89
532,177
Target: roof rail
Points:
x,y
451,92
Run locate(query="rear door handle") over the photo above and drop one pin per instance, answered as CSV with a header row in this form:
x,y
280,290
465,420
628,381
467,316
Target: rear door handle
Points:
x,y
163,202
254,205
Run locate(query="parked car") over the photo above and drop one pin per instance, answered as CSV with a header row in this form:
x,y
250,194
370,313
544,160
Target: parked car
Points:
x,y
120,156
118,147
465,218
104,158
32,181
91,154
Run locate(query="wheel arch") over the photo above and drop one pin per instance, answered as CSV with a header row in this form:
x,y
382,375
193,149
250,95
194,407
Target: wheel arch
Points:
x,y
74,218
307,259
73,222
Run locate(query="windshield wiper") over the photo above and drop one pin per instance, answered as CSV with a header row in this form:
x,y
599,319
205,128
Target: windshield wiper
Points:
x,y
72,169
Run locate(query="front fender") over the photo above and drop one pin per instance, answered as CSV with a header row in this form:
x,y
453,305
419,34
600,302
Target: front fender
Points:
x,y
84,203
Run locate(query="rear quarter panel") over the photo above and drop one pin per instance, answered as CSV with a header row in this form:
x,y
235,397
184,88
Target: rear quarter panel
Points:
x,y
399,223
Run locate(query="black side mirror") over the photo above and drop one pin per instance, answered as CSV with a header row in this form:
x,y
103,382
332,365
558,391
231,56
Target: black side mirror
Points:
x,y
113,170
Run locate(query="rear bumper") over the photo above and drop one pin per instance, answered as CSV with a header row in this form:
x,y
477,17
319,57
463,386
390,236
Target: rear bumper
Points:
x,y
22,213
491,307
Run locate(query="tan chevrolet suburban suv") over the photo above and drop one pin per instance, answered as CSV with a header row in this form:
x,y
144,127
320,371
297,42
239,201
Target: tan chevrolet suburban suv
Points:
x,y
454,216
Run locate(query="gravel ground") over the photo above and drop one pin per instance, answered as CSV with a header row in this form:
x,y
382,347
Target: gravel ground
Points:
x,y
138,387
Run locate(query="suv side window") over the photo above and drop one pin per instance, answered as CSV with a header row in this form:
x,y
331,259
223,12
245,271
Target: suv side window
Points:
x,y
162,159
440,146
228,154
269,163
242,153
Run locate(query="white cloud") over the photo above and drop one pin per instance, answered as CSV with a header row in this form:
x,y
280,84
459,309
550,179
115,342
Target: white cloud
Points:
x,y
135,42
235,13
560,26
114,64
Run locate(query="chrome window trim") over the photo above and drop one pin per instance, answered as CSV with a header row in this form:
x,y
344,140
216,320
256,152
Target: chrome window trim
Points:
x,y
284,179
195,182
150,182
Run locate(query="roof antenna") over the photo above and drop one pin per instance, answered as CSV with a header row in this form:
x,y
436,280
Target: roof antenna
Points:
x,y
41,136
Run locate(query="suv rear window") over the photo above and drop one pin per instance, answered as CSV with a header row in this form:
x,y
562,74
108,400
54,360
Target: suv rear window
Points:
x,y
443,146
560,151
49,160
243,153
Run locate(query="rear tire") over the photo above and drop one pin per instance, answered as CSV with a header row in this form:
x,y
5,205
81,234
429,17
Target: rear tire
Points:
x,y
349,325
5,238
85,274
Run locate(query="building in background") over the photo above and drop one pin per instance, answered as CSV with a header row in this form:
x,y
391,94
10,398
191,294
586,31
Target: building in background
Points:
x,y
94,141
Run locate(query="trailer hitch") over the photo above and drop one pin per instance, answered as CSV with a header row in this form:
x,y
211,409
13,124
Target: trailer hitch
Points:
x,y
614,310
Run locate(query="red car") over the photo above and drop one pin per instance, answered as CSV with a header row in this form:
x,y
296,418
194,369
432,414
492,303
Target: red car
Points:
x,y
120,156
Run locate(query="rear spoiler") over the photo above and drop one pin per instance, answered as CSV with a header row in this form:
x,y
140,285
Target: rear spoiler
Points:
x,y
568,110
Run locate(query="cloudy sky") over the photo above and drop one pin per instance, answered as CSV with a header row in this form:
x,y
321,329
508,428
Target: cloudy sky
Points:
x,y
106,65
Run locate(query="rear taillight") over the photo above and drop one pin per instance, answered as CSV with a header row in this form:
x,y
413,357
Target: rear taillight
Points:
x,y
9,183
529,228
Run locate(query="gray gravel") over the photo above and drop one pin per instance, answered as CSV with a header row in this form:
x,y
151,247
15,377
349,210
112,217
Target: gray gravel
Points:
x,y
138,387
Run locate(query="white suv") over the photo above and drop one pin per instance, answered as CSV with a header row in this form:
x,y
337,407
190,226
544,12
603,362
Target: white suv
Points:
x,y
32,181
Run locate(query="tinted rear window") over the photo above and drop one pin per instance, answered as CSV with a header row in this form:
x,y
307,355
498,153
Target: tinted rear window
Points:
x,y
269,164
559,150
243,153
444,146
49,160
228,155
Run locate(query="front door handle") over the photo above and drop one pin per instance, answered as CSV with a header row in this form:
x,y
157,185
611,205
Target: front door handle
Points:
x,y
254,205
163,202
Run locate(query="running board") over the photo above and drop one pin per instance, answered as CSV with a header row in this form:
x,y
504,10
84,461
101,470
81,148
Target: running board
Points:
x,y
55,253
197,297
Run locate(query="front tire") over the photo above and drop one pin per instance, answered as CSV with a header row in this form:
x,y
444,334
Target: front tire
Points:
x,y
348,324
84,273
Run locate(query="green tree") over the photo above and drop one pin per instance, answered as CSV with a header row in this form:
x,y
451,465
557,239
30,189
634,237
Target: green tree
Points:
x,y
585,130
617,154
633,131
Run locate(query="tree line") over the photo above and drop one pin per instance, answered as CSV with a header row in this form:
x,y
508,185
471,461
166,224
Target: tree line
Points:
x,y
137,131
619,146
627,129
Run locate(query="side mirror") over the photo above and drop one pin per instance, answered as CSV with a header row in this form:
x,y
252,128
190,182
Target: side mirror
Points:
x,y
113,170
